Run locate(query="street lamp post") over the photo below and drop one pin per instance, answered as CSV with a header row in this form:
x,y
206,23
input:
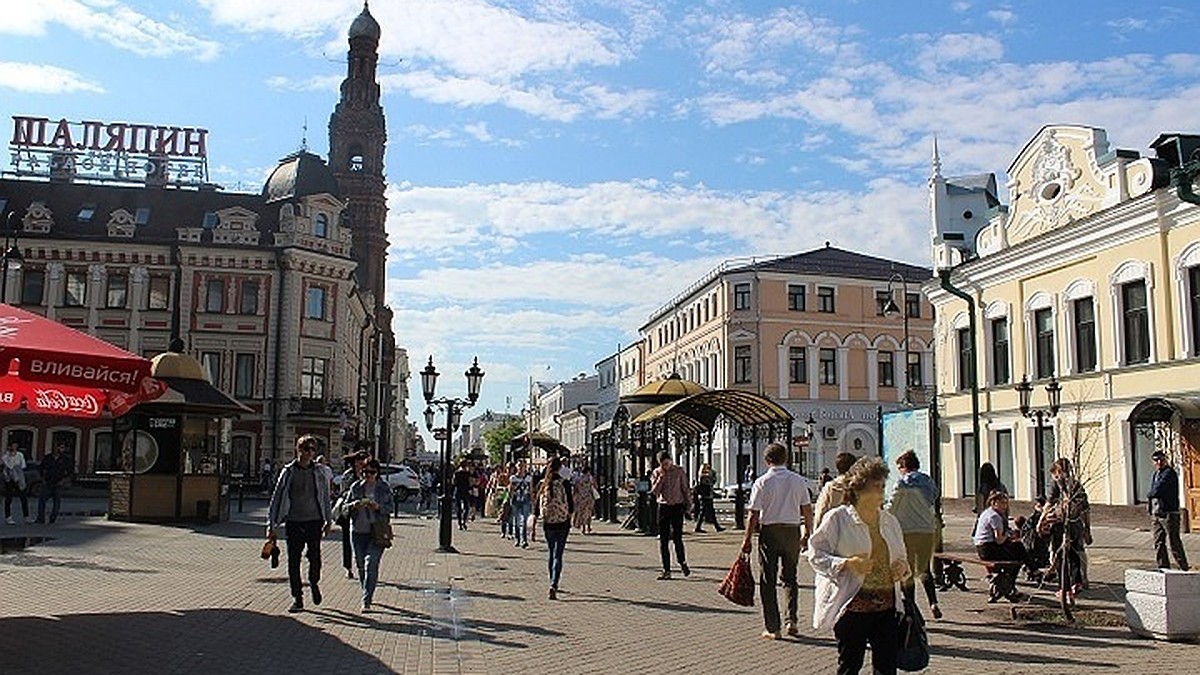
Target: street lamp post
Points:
x,y
810,426
12,254
891,309
1039,416
453,407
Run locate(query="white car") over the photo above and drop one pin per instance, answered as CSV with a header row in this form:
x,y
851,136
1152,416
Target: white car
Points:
x,y
402,478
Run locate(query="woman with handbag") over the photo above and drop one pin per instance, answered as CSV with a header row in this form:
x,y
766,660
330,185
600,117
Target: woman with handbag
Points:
x,y
859,557
369,508
585,500
555,503
354,466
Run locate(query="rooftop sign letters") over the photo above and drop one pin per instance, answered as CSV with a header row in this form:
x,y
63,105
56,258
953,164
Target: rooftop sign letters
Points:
x,y
109,151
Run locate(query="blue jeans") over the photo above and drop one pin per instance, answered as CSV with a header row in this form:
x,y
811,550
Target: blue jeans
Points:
x,y
49,492
520,521
366,558
556,540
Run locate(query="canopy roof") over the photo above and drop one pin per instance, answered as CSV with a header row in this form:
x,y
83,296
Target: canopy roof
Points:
x,y
660,391
698,413
1163,409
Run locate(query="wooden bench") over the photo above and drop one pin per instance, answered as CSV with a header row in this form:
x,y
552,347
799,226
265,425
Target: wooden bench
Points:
x,y
1002,575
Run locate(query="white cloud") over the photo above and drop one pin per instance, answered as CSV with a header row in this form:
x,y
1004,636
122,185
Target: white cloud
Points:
x,y
540,101
608,104
107,21
959,47
38,78
1003,16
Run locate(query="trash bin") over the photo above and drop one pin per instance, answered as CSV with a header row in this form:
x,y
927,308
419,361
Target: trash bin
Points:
x,y
203,509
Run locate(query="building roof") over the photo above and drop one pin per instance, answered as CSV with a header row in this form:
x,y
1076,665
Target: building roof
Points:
x,y
300,174
836,262
169,208
365,25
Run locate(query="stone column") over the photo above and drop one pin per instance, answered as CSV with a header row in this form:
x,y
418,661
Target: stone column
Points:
x,y
54,291
843,370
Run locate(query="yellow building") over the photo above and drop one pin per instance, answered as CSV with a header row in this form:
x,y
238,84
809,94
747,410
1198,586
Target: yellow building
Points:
x,y
809,331
1089,277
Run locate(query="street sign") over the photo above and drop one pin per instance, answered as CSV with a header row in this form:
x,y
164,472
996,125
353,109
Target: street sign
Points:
x,y
439,434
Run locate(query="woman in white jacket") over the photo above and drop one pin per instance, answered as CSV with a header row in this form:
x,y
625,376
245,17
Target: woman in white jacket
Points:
x,y
858,554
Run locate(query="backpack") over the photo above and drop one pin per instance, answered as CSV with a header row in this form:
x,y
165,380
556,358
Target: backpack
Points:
x,y
554,503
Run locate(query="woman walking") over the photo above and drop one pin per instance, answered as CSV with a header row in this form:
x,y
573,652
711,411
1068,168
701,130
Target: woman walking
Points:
x,y
858,554
519,503
355,463
555,505
585,501
705,513
370,501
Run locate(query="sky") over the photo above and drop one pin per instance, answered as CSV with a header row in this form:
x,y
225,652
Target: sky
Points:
x,y
558,169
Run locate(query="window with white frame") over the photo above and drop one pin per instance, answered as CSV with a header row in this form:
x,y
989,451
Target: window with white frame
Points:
x,y
887,369
796,297
827,359
1083,314
314,303
312,377
1043,330
965,358
1132,289
1193,276
797,365
1000,367
741,364
741,296
915,370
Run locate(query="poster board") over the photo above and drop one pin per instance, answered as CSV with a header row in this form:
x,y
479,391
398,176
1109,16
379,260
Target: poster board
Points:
x,y
905,430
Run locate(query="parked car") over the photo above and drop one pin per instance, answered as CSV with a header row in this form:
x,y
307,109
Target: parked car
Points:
x,y
402,478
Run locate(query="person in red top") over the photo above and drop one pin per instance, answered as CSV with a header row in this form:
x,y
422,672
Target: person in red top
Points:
x,y
669,484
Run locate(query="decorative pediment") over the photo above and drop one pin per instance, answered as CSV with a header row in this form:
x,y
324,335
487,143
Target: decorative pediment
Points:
x,y
38,219
120,224
1057,180
236,225
189,234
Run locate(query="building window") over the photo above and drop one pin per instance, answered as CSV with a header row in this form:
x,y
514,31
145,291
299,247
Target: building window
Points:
x,y
215,298
212,365
741,296
1135,322
248,300
33,286
314,303
741,364
243,384
964,359
828,365
1085,335
160,292
915,379
968,463
797,365
1000,370
912,305
796,297
75,289
116,294
887,369
881,301
1194,292
1043,328
825,299
312,378
102,452
321,226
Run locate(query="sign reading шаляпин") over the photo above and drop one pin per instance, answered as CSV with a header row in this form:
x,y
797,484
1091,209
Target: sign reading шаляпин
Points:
x,y
109,151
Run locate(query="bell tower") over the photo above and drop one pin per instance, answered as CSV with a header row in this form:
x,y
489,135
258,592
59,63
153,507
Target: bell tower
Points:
x,y
357,140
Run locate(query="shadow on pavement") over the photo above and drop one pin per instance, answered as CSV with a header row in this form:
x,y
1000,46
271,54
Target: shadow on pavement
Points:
x,y
1081,637
653,604
195,641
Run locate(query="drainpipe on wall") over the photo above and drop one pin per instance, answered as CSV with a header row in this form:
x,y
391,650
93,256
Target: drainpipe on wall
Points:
x,y
973,377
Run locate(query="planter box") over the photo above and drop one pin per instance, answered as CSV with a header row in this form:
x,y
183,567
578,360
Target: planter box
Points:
x,y
1163,604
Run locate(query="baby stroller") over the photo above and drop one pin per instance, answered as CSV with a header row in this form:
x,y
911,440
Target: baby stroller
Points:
x,y
1037,546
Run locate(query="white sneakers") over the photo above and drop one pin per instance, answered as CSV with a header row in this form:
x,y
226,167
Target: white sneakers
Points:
x,y
10,520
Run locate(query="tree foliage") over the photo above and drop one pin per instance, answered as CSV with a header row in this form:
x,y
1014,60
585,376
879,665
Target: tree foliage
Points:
x,y
496,439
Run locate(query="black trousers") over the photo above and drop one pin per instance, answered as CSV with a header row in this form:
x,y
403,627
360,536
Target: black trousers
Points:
x,y
855,629
705,513
778,543
670,529
12,489
1166,531
347,551
304,536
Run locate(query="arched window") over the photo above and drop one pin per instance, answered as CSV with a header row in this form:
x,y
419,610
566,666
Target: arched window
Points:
x,y
321,226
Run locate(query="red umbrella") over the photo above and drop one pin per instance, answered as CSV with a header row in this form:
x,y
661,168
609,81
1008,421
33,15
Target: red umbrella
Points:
x,y
55,370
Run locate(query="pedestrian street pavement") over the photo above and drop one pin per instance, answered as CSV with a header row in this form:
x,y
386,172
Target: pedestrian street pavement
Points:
x,y
109,597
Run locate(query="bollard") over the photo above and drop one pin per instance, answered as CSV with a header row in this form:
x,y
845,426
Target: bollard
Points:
x,y
241,494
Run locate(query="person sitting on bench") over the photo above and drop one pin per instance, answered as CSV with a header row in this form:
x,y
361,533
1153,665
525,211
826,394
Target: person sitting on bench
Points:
x,y
994,539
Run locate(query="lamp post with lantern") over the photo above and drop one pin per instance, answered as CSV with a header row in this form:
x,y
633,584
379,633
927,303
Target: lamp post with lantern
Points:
x,y
13,260
1039,416
453,407
890,309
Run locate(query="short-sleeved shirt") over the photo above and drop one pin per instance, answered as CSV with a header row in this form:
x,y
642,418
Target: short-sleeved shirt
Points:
x,y
518,487
779,496
989,523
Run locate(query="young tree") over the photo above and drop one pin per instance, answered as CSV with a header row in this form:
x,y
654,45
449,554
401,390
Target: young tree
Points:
x,y
496,440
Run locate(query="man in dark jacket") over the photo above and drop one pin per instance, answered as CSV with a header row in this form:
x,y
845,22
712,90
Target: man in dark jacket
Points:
x,y
56,469
1164,512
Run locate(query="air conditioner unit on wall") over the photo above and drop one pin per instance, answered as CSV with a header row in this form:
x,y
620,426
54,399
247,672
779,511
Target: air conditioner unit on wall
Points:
x,y
829,433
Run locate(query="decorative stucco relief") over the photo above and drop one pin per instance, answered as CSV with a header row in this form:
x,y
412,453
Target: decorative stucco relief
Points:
x,y
1056,181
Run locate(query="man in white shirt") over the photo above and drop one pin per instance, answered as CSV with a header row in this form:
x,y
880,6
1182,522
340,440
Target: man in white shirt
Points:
x,y
779,505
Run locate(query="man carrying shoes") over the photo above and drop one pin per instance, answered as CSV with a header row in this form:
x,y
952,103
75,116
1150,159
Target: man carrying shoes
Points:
x,y
300,503
779,505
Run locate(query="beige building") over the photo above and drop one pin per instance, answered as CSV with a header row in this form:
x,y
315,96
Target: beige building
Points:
x,y
1090,275
809,331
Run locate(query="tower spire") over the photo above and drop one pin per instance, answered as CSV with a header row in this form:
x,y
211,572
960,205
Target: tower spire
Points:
x,y
937,162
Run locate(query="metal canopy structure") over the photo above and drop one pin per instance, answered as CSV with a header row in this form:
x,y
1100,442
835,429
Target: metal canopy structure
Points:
x,y
697,414
1163,409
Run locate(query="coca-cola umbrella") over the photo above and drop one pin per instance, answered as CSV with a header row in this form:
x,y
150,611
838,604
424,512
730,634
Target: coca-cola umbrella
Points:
x,y
48,368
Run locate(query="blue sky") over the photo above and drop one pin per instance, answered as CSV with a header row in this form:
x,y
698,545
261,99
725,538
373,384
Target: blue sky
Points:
x,y
560,168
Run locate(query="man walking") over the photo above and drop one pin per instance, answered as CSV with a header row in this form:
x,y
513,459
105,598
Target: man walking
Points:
x,y
779,505
670,485
914,502
300,503
1164,512
56,469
